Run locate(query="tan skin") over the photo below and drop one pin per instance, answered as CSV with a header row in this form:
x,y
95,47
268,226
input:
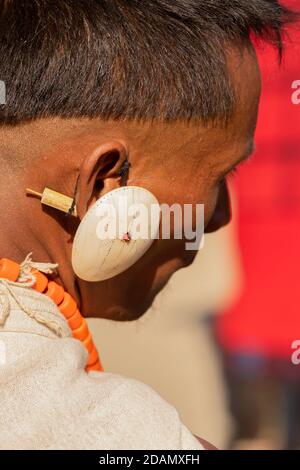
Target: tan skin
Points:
x,y
178,162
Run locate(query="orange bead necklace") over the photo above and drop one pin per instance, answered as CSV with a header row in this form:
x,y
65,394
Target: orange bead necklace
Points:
x,y
66,304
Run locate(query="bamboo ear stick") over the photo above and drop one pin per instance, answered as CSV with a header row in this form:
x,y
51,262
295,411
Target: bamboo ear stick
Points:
x,y
56,200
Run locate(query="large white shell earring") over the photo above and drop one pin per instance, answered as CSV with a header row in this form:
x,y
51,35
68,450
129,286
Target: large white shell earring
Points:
x,y
115,233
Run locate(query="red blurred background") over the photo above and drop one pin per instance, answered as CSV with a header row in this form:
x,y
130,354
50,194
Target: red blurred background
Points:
x,y
257,332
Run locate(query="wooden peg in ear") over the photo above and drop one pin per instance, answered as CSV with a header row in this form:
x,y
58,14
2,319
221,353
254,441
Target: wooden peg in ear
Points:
x,y
56,200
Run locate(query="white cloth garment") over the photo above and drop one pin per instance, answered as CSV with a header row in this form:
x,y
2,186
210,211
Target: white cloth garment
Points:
x,y
48,401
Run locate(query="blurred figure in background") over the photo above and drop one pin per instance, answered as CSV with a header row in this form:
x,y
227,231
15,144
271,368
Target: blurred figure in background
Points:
x,y
257,333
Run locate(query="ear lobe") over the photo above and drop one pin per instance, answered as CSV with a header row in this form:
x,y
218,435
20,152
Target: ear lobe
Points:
x,y
100,173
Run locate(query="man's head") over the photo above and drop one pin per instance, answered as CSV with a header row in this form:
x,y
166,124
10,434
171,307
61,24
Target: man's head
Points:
x,y
173,85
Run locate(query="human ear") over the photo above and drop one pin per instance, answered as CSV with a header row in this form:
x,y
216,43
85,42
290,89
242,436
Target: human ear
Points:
x,y
100,173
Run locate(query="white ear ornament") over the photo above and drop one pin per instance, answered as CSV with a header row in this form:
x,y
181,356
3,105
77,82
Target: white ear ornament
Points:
x,y
115,233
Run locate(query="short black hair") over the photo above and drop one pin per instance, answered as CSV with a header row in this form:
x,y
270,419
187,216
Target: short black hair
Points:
x,y
126,59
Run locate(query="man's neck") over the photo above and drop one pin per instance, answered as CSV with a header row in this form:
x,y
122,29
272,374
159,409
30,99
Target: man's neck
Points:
x,y
27,228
